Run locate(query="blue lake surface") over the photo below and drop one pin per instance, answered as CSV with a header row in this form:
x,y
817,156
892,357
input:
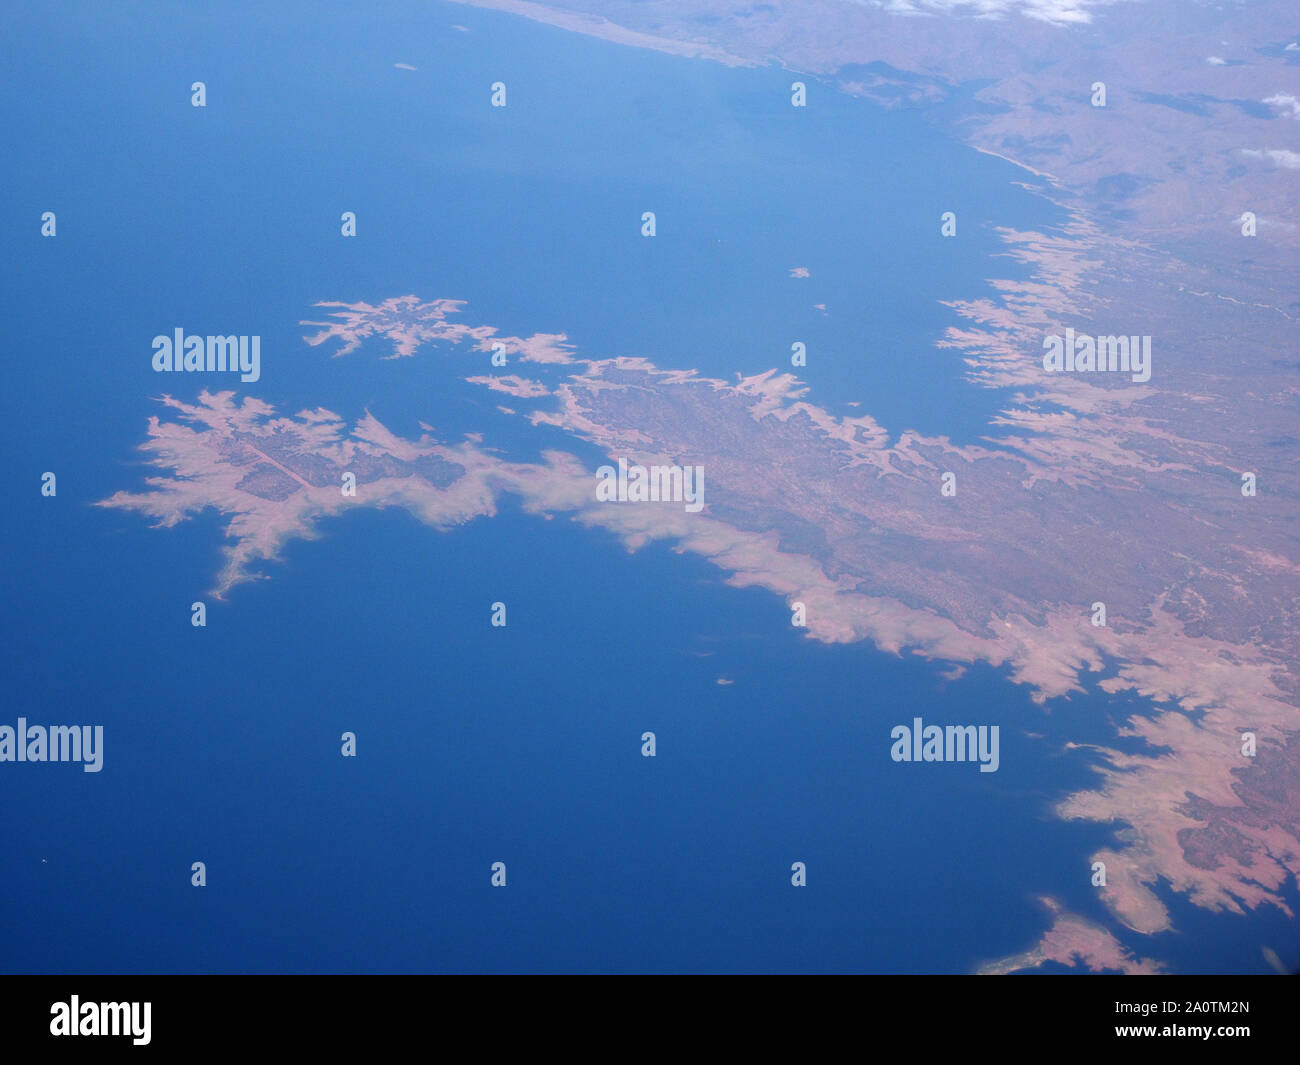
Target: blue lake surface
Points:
x,y
477,744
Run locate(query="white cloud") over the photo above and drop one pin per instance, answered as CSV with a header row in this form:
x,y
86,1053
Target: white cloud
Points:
x,y
1280,156
1286,103
1215,61
1056,12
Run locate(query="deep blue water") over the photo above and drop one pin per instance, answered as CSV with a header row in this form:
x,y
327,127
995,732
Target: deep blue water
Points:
x,y
520,745
476,744
225,218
